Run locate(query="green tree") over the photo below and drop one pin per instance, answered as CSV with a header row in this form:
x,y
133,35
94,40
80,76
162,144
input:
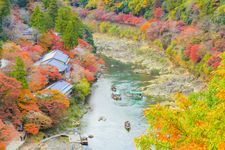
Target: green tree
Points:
x,y
19,72
37,19
69,25
70,36
46,3
81,89
53,9
64,15
4,11
48,22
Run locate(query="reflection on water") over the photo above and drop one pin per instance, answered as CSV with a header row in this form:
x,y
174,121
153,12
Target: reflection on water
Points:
x,y
109,133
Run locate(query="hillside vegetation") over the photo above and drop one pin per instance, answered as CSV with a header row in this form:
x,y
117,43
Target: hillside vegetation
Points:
x,y
30,30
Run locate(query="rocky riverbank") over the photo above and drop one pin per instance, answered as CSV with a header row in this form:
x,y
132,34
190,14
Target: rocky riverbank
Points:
x,y
168,79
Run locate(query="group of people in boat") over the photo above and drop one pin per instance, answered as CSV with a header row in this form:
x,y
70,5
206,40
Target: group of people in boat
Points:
x,y
135,94
115,95
127,125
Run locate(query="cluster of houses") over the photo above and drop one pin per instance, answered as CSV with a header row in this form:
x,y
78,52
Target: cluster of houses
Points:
x,y
59,60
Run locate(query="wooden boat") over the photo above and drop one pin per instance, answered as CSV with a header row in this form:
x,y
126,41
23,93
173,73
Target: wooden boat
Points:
x,y
116,96
138,95
84,141
127,126
113,88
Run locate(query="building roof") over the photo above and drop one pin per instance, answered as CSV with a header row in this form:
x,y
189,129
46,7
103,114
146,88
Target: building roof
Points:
x,y
4,63
28,31
56,54
62,67
56,58
62,86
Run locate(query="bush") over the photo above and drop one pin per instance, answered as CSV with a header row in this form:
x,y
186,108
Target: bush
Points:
x,y
81,90
104,26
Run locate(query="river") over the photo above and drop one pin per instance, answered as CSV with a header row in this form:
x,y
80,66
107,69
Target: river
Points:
x,y
110,134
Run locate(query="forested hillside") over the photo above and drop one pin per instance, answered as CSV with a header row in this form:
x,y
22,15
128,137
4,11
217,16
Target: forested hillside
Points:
x,y
191,32
29,100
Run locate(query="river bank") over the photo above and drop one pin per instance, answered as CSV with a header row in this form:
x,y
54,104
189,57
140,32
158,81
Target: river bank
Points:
x,y
168,78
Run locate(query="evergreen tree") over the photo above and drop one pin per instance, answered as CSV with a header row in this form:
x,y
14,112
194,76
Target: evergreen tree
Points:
x,y
64,14
46,3
37,19
53,9
19,72
4,8
70,36
48,22
4,11
69,25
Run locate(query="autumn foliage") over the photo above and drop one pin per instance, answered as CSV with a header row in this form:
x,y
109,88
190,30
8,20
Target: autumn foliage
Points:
x,y
40,76
31,128
194,119
192,52
10,90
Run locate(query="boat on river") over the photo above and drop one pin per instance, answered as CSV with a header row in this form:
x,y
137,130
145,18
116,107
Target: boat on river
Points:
x,y
116,95
113,88
135,94
127,126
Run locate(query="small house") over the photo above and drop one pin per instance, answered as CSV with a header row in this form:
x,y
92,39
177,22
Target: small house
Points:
x,y
62,86
56,58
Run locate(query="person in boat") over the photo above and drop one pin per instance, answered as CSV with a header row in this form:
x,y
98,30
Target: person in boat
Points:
x,y
127,125
116,96
113,88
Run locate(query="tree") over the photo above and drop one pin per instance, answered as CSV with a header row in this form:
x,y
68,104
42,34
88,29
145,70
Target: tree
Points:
x,y
9,92
52,95
54,109
89,62
70,37
39,119
64,15
48,22
69,25
192,52
19,72
4,10
81,89
53,103
53,9
136,6
196,122
46,3
6,134
27,102
31,128
40,76
41,21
